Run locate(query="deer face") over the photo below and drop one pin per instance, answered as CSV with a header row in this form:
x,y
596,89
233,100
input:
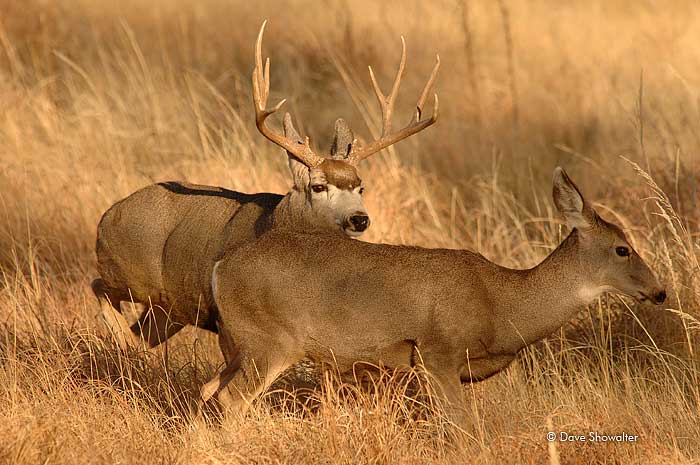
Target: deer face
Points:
x,y
608,260
620,266
334,190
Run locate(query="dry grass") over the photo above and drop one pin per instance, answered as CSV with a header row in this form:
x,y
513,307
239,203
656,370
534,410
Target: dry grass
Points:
x,y
98,100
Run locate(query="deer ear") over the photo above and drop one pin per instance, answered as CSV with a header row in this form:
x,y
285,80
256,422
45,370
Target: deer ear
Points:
x,y
342,140
570,203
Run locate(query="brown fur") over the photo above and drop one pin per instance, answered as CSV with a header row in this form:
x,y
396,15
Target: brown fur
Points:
x,y
163,255
157,246
287,296
340,174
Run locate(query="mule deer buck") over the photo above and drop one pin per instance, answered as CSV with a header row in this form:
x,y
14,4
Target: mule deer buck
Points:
x,y
288,296
158,245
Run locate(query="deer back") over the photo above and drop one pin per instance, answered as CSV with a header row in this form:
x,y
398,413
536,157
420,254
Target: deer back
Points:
x,y
161,242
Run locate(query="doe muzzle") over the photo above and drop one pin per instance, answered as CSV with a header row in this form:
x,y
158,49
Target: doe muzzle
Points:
x,y
660,296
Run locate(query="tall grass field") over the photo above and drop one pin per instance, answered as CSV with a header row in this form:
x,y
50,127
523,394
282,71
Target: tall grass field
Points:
x,y
98,99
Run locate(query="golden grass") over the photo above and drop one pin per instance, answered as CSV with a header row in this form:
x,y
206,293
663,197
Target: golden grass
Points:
x,y
99,98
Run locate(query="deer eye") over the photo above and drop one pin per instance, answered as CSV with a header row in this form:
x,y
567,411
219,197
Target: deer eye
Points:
x,y
362,190
622,251
318,188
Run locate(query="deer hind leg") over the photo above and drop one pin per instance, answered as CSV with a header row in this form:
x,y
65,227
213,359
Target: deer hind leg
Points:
x,y
155,326
109,299
219,382
246,377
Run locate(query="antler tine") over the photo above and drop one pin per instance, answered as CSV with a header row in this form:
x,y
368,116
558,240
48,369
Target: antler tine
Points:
x,y
387,106
387,103
395,87
261,91
259,81
426,89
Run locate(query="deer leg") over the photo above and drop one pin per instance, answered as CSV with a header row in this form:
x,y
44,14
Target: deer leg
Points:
x,y
233,363
246,377
109,299
447,385
155,326
451,391
215,386
482,368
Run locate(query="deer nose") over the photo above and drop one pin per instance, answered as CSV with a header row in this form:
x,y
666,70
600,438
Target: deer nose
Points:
x,y
359,222
660,297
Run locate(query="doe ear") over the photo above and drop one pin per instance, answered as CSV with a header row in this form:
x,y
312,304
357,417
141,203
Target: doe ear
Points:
x,y
342,140
570,203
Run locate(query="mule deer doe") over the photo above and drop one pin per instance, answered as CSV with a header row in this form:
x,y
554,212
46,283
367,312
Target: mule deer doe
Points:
x,y
289,296
158,245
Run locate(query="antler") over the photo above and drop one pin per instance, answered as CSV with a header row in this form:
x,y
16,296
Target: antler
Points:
x,y
387,105
261,90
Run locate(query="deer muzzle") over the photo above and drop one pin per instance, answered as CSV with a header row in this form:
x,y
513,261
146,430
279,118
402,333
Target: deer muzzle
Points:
x,y
659,296
356,224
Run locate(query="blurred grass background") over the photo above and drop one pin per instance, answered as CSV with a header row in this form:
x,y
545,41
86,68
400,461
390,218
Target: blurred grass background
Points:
x,y
98,99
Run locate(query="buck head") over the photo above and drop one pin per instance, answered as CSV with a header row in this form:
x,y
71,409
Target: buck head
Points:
x,y
331,186
608,260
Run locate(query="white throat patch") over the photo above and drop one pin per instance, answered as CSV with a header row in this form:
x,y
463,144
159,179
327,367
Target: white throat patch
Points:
x,y
589,293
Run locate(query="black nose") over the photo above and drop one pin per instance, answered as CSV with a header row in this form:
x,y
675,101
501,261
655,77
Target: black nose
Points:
x,y
660,297
359,222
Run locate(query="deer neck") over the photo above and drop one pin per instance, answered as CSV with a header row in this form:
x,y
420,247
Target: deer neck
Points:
x,y
294,211
542,299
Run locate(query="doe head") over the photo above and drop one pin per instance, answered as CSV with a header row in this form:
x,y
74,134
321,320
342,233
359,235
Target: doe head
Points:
x,y
608,260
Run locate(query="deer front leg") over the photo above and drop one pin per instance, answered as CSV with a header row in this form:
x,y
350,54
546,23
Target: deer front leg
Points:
x,y
446,384
479,369
449,388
